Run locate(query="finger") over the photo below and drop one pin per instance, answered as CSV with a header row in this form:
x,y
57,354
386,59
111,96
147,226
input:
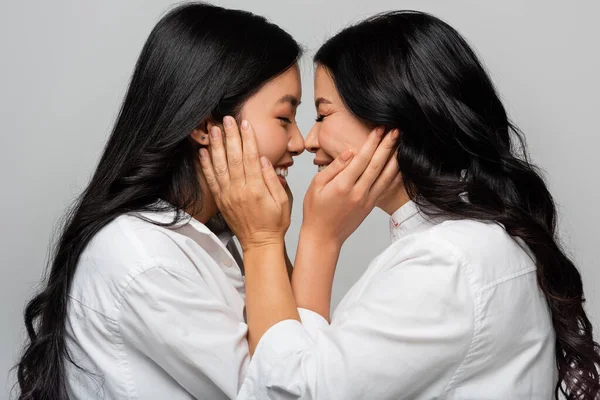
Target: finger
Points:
x,y
233,145
389,177
209,173
355,169
334,168
272,182
378,161
219,159
250,153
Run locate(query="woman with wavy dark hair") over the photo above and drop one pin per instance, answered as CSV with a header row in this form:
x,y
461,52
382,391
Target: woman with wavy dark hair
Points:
x,y
473,299
144,297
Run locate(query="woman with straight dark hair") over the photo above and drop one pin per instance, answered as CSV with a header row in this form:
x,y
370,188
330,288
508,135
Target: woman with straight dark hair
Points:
x,y
474,298
144,297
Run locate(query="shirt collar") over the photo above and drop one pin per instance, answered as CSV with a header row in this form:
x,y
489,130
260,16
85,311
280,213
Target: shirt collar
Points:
x,y
405,220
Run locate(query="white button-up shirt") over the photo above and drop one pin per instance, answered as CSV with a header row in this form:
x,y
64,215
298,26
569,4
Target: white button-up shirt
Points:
x,y
157,313
450,310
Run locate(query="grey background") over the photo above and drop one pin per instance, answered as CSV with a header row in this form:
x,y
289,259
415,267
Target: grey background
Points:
x,y
64,67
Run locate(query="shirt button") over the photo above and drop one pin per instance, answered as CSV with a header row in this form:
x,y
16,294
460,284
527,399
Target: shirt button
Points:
x,y
228,263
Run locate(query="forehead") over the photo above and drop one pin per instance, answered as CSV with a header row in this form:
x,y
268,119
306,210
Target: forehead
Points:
x,y
324,85
288,83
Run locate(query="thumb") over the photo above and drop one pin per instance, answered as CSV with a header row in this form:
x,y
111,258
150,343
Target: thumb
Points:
x,y
272,181
334,168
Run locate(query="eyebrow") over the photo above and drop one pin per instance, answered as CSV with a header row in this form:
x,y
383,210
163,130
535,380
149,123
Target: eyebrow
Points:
x,y
288,98
321,100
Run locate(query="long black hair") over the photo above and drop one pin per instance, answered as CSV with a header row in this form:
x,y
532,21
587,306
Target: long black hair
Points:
x,y
412,71
200,61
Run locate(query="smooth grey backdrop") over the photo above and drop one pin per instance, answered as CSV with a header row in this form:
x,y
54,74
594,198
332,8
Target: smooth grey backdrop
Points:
x,y
64,67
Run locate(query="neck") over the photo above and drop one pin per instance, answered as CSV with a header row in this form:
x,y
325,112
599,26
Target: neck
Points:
x,y
392,199
207,208
205,213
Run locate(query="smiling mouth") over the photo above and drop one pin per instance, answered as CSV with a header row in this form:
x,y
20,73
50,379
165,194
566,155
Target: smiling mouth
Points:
x,y
322,167
281,171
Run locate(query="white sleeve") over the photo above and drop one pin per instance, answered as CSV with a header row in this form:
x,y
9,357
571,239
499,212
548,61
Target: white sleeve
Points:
x,y
404,337
179,324
312,321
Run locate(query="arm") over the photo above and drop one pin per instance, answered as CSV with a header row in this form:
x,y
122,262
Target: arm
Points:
x,y
314,271
405,336
257,208
271,299
335,205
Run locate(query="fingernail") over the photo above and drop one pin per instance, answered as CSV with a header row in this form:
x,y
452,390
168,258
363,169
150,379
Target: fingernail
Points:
x,y
215,132
245,125
377,131
395,134
265,162
346,155
203,153
228,121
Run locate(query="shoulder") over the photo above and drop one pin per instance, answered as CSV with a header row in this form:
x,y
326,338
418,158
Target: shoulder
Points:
x,y
134,244
483,249
124,250
432,243
464,239
485,243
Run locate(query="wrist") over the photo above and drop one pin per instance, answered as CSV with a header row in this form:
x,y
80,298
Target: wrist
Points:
x,y
270,245
317,238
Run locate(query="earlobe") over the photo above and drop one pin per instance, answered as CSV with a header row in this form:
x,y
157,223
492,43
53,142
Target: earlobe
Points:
x,y
200,134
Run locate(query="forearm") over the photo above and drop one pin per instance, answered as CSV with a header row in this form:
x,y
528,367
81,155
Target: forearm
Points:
x,y
314,270
269,297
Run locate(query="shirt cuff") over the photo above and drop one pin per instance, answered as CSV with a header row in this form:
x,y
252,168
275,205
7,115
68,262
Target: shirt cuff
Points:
x,y
312,321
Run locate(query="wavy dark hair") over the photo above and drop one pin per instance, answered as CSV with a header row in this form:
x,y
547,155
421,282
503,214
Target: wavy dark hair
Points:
x,y
412,71
200,61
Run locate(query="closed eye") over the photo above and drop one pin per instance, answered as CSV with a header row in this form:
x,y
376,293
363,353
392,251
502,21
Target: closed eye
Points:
x,y
285,119
320,118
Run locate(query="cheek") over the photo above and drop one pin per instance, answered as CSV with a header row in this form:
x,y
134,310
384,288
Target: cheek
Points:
x,y
331,141
338,134
271,139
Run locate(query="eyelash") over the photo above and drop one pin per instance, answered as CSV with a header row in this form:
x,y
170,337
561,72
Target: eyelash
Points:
x,y
285,119
320,118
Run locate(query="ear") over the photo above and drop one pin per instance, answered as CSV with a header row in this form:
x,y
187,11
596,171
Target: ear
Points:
x,y
200,134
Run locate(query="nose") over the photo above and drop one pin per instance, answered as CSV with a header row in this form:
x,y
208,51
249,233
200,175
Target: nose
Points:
x,y
312,140
296,143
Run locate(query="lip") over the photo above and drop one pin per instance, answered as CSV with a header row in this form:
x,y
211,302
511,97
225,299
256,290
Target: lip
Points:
x,y
284,165
321,162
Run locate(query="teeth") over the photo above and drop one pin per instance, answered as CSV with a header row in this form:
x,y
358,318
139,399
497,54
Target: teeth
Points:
x,y
322,167
281,171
